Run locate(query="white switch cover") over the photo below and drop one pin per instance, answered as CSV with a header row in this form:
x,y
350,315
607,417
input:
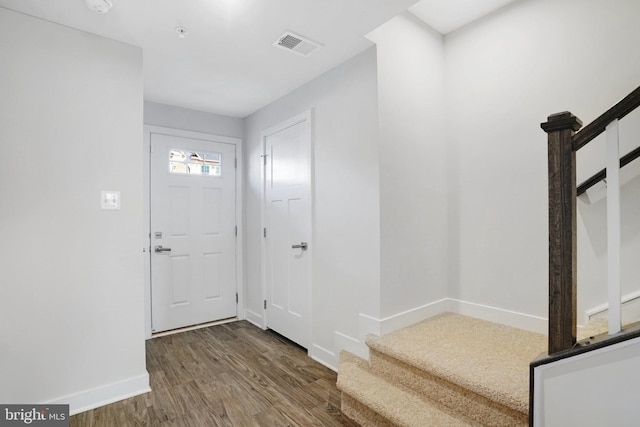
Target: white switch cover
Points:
x,y
109,200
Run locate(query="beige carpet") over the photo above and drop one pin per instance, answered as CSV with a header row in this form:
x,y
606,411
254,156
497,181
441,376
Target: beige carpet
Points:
x,y
487,358
372,401
474,371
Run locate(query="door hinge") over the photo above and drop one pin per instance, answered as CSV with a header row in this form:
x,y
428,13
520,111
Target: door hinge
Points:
x,y
264,232
236,231
264,159
235,163
236,297
265,304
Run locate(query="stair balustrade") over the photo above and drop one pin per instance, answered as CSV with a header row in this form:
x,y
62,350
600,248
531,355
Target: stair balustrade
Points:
x,y
564,139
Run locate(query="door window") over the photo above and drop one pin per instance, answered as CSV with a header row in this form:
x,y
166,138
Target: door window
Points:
x,y
195,163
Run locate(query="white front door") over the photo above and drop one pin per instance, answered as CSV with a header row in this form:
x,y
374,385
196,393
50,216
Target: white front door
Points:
x,y
288,228
193,231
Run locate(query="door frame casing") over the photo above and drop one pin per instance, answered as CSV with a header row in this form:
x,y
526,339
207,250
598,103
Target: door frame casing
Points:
x,y
237,142
308,117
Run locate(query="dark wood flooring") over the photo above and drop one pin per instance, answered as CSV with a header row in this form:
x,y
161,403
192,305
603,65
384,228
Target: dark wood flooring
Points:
x,y
227,375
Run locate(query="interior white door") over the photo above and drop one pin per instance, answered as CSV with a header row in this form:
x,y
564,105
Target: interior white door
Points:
x,y
288,229
193,231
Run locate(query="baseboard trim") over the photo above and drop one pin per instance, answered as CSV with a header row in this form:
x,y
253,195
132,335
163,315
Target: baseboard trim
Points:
x,y
415,315
352,345
590,312
104,395
498,315
371,325
386,325
324,357
255,318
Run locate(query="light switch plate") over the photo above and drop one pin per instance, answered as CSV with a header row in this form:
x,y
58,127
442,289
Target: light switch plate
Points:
x,y
110,200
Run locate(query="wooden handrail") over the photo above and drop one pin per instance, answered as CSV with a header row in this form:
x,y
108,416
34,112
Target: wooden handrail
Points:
x,y
624,161
596,127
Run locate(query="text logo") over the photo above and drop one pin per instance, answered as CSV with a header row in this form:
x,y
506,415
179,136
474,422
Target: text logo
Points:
x,y
34,415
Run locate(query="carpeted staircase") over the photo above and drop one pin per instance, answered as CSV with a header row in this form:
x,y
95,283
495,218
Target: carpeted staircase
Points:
x,y
450,370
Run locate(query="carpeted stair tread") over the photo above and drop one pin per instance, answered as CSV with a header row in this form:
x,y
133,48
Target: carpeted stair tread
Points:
x,y
477,408
370,400
486,358
361,414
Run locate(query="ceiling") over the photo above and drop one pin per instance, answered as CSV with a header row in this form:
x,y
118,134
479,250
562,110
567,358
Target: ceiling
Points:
x,y
449,15
227,64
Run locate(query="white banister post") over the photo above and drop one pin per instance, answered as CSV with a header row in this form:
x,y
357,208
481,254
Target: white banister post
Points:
x,y
613,227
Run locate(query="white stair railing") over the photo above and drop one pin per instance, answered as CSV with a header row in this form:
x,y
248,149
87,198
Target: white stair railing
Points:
x,y
613,227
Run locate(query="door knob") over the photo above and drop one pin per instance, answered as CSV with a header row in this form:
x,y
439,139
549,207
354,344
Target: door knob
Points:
x,y
159,248
302,245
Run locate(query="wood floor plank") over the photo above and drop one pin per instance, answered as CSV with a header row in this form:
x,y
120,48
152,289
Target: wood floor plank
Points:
x,y
227,375
297,414
316,393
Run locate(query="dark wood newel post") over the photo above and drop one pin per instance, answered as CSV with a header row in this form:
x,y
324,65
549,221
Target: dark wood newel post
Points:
x,y
562,230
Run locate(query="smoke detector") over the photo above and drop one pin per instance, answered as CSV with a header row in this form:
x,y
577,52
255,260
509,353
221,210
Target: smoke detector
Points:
x,y
296,44
182,32
99,6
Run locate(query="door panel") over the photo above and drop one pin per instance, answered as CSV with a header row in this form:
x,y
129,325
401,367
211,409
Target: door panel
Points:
x,y
212,271
179,280
179,217
212,205
288,223
193,218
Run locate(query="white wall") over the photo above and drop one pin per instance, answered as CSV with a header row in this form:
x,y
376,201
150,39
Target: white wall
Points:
x,y
413,184
71,310
346,223
504,75
192,120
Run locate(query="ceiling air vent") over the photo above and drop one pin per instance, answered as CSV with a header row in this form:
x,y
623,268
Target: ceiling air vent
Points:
x,y
296,44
